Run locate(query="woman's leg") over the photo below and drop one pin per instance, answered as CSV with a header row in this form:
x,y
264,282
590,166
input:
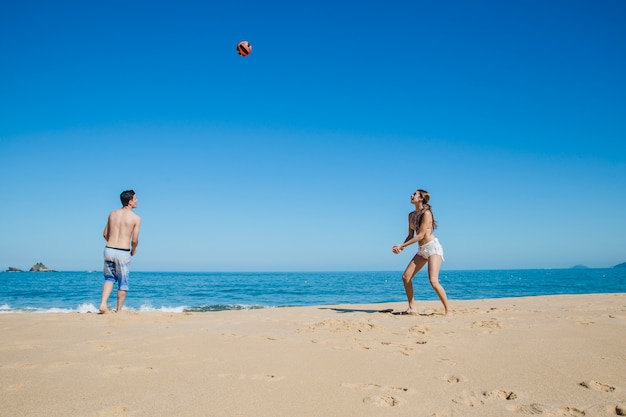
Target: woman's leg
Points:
x,y
407,279
434,264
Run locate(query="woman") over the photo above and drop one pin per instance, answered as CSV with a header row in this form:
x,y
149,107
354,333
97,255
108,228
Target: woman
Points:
x,y
421,226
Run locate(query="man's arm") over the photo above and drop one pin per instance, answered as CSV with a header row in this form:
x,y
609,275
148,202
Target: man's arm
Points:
x,y
135,239
106,232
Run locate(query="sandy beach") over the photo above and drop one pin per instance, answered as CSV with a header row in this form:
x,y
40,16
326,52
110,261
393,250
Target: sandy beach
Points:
x,y
548,356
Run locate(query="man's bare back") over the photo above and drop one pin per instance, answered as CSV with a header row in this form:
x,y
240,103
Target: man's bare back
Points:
x,y
122,226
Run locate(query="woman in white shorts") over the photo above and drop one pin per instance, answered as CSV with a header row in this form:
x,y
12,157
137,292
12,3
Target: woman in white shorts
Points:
x,y
421,226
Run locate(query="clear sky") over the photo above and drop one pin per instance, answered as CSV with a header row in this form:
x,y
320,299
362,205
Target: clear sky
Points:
x,y
303,155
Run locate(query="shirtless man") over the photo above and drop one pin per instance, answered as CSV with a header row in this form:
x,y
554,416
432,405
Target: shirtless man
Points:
x,y
122,236
421,226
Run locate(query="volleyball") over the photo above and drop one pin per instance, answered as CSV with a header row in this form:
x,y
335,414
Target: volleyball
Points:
x,y
244,48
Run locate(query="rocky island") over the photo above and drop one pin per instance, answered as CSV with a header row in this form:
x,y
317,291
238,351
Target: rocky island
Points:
x,y
39,267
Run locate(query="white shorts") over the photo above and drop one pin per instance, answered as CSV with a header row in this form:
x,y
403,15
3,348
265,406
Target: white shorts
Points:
x,y
431,248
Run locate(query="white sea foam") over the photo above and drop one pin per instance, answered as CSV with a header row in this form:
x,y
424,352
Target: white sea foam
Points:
x,y
55,310
83,308
147,307
87,308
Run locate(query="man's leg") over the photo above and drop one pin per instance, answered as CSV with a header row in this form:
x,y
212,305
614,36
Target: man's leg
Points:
x,y
122,272
121,296
106,292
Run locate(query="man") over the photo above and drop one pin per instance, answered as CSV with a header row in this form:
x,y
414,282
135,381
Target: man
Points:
x,y
122,236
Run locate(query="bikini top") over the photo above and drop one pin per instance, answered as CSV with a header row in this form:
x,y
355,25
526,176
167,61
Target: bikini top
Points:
x,y
416,219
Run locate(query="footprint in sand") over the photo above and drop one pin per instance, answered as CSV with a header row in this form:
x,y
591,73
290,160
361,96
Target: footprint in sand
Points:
x,y
368,387
487,324
548,411
320,342
340,326
382,401
379,400
254,377
453,379
597,386
469,399
496,310
401,348
472,399
422,330
500,395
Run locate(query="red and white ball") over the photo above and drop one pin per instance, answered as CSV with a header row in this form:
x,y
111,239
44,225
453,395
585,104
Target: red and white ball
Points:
x,y
244,48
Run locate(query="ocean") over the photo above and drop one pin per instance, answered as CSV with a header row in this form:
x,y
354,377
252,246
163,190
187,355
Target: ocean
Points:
x,y
64,292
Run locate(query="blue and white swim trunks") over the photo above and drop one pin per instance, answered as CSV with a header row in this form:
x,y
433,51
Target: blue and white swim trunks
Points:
x,y
431,248
116,266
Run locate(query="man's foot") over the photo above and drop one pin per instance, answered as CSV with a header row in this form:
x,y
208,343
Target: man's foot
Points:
x,y
449,314
103,310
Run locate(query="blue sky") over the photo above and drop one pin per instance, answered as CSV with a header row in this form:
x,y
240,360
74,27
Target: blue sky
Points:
x,y
303,155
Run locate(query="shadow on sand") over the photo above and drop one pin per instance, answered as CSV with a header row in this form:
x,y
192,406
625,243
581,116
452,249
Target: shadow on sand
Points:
x,y
385,311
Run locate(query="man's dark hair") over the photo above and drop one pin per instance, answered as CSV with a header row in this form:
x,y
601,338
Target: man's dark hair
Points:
x,y
126,196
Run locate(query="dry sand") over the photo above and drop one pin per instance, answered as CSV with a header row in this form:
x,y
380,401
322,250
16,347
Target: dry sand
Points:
x,y
546,356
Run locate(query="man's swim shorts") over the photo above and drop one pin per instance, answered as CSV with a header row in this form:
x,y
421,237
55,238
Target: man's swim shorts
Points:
x,y
116,266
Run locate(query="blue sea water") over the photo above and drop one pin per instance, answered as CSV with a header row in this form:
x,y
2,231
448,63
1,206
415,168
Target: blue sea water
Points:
x,y
189,291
